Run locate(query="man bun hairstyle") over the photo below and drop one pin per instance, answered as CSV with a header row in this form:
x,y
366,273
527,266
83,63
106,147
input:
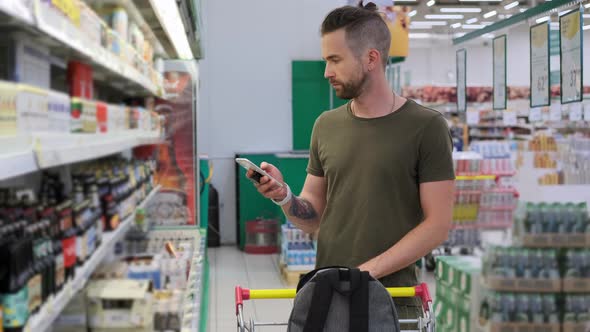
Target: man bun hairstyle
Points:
x,y
364,28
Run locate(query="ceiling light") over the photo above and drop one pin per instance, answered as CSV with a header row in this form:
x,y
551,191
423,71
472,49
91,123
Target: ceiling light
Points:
x,y
501,16
459,35
489,35
423,23
522,10
480,1
169,15
486,23
460,10
564,12
586,16
430,3
586,27
412,13
471,20
490,14
420,27
511,5
587,5
543,19
419,35
473,26
508,15
456,25
443,17
406,0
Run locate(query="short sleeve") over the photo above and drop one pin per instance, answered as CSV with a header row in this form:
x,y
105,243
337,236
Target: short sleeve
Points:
x,y
435,161
314,167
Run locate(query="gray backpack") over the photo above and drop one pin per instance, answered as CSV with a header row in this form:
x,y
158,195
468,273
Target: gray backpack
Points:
x,y
342,299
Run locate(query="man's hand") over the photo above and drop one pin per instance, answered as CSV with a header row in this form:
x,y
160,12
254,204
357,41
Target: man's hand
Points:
x,y
267,187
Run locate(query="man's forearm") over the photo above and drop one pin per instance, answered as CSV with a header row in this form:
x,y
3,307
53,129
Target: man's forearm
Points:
x,y
302,213
412,247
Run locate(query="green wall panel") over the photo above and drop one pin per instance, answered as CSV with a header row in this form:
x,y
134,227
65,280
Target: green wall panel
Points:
x,y
204,199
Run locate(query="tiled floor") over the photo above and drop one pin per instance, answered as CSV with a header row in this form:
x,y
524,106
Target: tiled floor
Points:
x,y
231,267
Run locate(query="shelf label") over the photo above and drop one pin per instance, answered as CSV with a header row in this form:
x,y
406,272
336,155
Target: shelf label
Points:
x,y
535,114
499,63
509,118
555,112
570,26
539,41
575,112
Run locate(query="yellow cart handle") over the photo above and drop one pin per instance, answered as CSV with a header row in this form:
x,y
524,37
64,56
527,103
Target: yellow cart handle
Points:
x,y
254,294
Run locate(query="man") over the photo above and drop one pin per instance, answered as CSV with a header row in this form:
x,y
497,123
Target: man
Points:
x,y
380,174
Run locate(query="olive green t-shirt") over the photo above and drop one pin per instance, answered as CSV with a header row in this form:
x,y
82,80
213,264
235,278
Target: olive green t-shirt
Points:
x,y
373,169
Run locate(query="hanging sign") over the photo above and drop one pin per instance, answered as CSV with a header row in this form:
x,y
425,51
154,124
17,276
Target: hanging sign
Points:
x,y
462,80
570,26
499,53
540,67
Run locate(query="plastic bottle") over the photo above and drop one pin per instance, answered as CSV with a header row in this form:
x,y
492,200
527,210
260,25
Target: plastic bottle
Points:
x,y
536,309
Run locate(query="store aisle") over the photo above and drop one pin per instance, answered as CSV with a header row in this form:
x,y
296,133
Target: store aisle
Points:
x,y
231,267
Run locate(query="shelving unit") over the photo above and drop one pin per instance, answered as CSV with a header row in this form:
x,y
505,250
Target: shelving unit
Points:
x,y
38,152
43,320
108,68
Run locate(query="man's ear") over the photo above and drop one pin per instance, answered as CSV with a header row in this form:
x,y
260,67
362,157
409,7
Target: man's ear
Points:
x,y
374,59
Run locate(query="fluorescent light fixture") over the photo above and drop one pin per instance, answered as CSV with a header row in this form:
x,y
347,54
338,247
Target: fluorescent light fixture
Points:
x,y
471,20
460,10
490,14
473,26
522,10
564,12
508,15
406,0
412,13
420,27
430,3
480,0
586,27
501,16
543,19
511,5
456,25
419,35
459,35
486,23
489,35
443,17
587,5
586,15
429,23
169,17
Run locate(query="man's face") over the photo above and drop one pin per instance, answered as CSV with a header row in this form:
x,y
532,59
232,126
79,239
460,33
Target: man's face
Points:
x,y
344,69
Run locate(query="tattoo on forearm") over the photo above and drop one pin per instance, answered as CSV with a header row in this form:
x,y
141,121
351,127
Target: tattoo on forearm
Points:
x,y
302,209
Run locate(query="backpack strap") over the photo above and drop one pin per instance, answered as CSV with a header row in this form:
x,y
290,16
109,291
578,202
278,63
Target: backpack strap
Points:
x,y
307,277
326,283
320,303
359,304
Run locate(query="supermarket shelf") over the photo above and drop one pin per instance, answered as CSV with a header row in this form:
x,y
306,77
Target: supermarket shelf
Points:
x,y
479,225
43,320
480,136
22,155
71,43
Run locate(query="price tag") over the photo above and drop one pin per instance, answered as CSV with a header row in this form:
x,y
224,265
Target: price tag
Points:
x,y
472,117
509,118
576,112
555,112
587,112
535,114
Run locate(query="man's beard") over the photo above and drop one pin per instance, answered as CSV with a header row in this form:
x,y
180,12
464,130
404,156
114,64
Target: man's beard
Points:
x,y
352,89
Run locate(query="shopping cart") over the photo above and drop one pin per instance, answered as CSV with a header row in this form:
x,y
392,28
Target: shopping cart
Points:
x,y
425,323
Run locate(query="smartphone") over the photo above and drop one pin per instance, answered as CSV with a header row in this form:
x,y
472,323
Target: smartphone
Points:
x,y
258,172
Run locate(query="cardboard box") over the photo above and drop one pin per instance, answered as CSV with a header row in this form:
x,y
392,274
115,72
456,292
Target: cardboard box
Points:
x,y
556,240
523,284
576,285
120,305
576,327
523,327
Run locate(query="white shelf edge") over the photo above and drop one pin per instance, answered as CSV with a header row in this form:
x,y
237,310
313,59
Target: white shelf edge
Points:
x,y
16,164
44,319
